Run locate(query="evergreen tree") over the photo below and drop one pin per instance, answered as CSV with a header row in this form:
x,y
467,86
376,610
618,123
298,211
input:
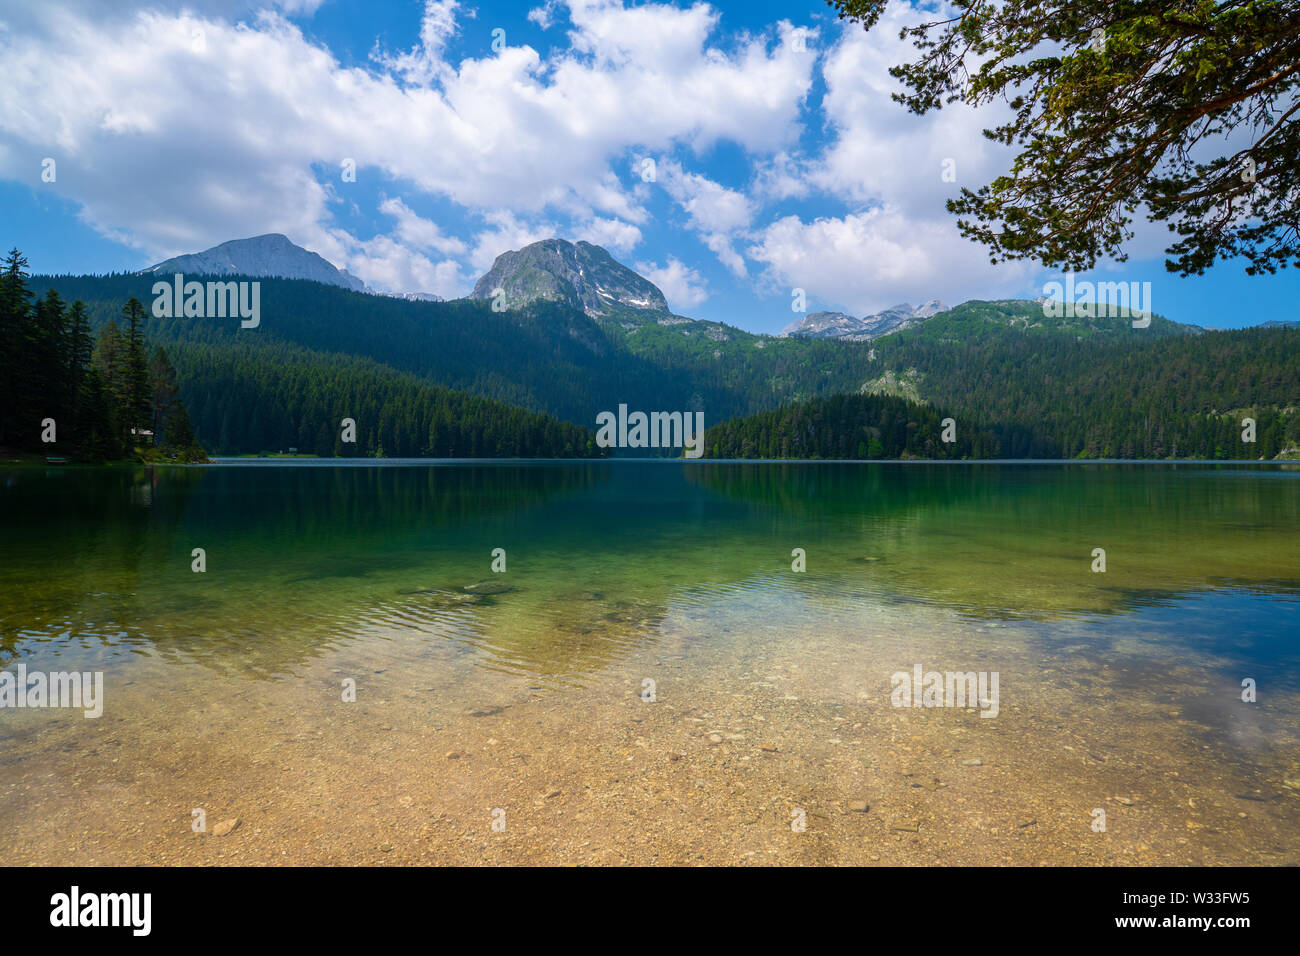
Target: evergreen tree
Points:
x,y
110,359
180,435
81,346
99,435
78,352
428,381
15,305
138,411
1184,111
96,393
164,393
44,376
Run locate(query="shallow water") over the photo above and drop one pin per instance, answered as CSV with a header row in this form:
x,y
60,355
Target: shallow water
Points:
x,y
1119,691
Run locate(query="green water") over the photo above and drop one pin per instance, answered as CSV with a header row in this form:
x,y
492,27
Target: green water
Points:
x,y
304,556
1120,689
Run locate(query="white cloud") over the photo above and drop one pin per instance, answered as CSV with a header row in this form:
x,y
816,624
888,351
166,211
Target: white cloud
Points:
x,y
883,153
544,16
387,265
294,7
897,241
681,285
611,233
424,62
717,213
711,206
865,262
418,232
174,145
505,233
721,246
781,177
179,130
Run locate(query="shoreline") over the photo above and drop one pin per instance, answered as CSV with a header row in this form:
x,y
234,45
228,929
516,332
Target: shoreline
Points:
x,y
40,462
772,680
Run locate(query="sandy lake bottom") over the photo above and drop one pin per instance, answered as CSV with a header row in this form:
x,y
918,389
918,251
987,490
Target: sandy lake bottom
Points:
x,y
673,693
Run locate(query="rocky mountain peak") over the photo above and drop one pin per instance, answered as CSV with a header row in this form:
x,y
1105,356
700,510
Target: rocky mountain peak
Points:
x,y
272,255
840,325
579,274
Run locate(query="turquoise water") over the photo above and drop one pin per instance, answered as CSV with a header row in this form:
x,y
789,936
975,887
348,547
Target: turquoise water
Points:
x,y
314,566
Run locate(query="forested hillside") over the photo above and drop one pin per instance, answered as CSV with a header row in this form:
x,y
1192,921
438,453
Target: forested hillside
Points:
x,y
275,397
849,426
1119,395
1037,386
545,356
65,395
123,393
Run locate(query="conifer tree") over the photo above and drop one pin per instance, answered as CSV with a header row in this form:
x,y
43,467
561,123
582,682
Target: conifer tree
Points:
x,y
15,304
180,435
98,432
43,376
137,412
164,392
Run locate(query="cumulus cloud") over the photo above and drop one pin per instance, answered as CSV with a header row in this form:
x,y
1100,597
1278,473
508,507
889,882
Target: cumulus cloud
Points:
x,y
181,126
893,171
545,15
506,232
385,264
717,213
611,233
880,151
781,176
180,129
424,62
710,206
681,285
868,261
418,232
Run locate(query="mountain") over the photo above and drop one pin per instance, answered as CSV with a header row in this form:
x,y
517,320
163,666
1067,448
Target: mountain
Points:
x,y
579,275
271,256
928,308
823,325
415,296
839,325
587,334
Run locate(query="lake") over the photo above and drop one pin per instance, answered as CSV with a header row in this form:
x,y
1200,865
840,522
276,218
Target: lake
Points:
x,y
650,679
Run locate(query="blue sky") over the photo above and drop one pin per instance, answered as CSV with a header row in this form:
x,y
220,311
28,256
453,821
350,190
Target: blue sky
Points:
x,y
779,161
